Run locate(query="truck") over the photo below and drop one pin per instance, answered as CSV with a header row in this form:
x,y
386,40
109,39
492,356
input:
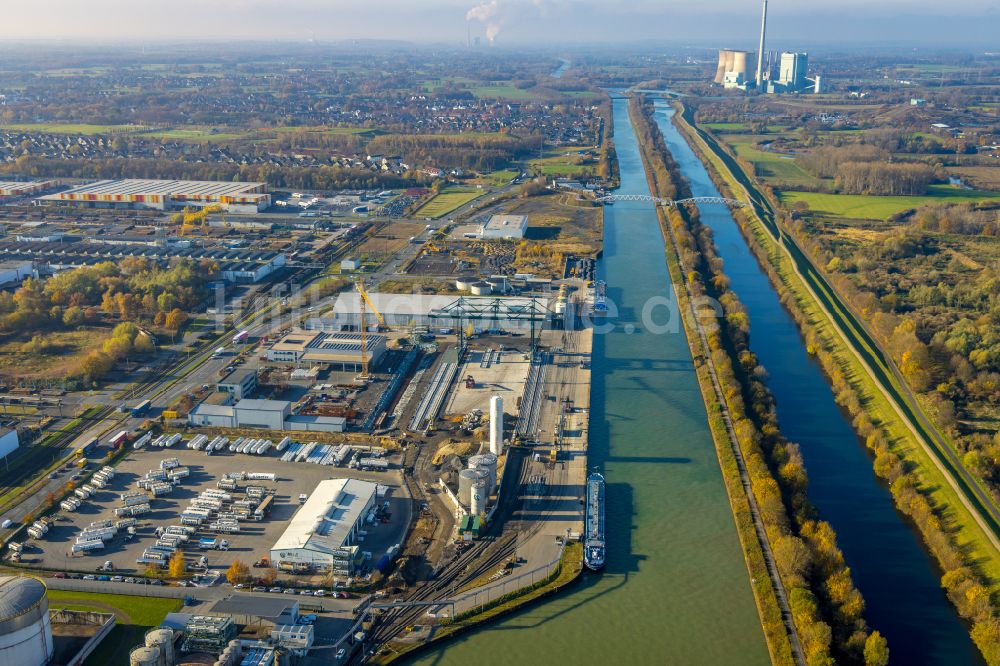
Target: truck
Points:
x,y
119,439
213,544
141,409
241,337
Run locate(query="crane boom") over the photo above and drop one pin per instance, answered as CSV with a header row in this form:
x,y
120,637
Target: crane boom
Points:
x,y
365,303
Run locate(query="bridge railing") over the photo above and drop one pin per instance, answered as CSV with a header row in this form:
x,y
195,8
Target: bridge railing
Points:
x,y
736,203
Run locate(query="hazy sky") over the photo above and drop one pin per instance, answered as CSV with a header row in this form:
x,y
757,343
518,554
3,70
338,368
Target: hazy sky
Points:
x,y
732,22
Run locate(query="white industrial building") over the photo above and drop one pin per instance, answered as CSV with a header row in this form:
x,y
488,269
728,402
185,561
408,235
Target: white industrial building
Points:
x,y
13,272
321,535
9,442
240,383
267,414
404,310
504,226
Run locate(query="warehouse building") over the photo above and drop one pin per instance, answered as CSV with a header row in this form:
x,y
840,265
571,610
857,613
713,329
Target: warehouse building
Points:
x,y
340,349
270,414
405,310
50,248
267,414
504,226
322,534
10,189
14,271
240,383
165,195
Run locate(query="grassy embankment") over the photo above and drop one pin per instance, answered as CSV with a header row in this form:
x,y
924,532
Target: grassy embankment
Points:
x,y
569,569
136,615
943,503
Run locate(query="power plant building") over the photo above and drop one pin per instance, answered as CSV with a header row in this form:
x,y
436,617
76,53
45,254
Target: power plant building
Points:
x,y
733,69
165,195
322,534
792,71
25,627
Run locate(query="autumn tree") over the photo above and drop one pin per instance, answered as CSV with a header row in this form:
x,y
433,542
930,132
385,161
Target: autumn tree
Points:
x,y
176,566
269,576
876,650
238,572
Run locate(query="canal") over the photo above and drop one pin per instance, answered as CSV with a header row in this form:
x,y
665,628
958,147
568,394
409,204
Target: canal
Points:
x,y
676,588
891,568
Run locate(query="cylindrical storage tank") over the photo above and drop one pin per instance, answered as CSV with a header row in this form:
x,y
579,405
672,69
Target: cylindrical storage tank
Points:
x,y
162,638
496,425
25,630
463,283
478,495
488,463
145,656
466,478
480,289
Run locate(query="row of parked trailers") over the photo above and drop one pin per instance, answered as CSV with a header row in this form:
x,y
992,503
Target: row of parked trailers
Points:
x,y
101,478
96,536
327,454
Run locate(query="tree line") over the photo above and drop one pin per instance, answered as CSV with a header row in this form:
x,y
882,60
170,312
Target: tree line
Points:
x,y
965,586
827,608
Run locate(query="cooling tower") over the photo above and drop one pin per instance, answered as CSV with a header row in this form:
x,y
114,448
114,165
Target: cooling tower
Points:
x,y
734,63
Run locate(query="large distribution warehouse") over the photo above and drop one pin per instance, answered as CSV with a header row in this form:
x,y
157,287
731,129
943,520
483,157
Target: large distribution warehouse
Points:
x,y
321,535
166,195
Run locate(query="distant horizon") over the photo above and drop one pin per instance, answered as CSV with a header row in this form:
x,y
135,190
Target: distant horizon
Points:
x,y
968,24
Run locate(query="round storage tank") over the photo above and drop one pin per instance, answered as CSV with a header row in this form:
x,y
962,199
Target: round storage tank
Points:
x,y
25,630
465,480
479,493
480,289
488,463
145,656
463,283
162,638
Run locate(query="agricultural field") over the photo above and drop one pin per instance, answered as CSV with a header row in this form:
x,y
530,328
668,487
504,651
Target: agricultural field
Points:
x,y
569,161
772,167
136,615
448,200
861,206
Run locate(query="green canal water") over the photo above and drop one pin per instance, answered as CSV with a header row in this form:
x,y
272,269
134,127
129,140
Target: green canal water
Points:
x,y
675,589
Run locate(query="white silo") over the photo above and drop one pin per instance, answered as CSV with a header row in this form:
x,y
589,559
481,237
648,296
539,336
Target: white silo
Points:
x,y
466,479
496,425
162,638
488,463
25,629
479,494
145,656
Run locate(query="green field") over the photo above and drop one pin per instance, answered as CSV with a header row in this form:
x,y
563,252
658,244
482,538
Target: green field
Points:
x,y
501,178
726,127
447,201
196,134
770,166
71,128
867,207
135,615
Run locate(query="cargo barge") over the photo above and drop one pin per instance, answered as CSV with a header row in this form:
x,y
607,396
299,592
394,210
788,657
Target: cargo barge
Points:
x,y
593,537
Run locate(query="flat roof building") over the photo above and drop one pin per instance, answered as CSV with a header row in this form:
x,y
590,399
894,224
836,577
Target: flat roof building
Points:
x,y
20,189
341,349
166,195
504,226
403,310
270,414
240,383
321,535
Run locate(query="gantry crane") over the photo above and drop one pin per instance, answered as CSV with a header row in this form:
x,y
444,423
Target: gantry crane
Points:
x,y
364,303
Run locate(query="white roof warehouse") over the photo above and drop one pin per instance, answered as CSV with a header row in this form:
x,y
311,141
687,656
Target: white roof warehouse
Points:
x,y
166,195
321,534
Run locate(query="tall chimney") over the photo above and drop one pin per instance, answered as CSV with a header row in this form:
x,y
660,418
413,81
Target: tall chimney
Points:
x,y
760,51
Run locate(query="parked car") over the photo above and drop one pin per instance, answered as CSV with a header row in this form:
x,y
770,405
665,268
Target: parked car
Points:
x,y
341,653
129,579
308,619
104,578
117,579
306,592
289,591
275,590
90,577
240,586
59,574
258,589
320,593
156,582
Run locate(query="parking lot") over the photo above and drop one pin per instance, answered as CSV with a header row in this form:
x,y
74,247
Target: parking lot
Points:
x,y
254,539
